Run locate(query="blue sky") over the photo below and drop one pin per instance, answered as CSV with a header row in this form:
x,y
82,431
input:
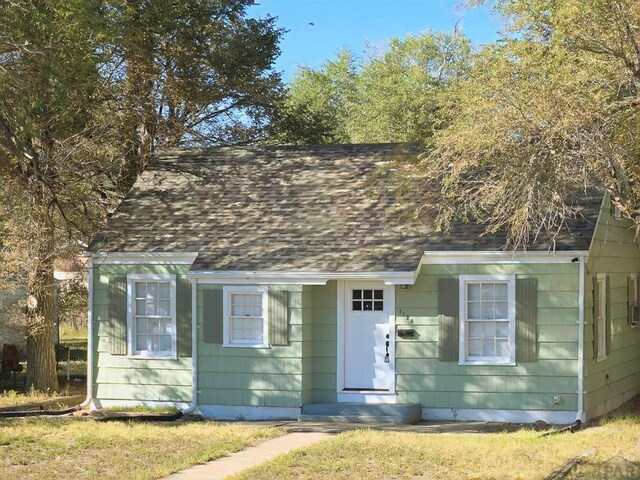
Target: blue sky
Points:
x,y
354,24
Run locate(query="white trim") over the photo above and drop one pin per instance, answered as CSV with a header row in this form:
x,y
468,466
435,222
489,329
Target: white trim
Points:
x,y
164,277
150,258
506,416
462,309
367,397
299,278
390,308
233,412
580,415
194,346
604,313
227,291
89,398
500,257
140,403
340,319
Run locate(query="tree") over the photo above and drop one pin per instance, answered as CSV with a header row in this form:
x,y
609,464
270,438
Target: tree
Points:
x,y
548,113
50,151
197,72
389,96
88,90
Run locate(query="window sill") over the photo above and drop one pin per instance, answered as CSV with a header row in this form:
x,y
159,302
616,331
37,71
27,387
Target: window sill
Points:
x,y
142,356
601,359
489,363
240,345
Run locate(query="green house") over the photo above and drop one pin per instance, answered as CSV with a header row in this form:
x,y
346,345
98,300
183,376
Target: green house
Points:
x,y
275,283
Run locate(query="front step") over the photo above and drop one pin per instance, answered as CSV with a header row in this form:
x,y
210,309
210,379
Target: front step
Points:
x,y
404,413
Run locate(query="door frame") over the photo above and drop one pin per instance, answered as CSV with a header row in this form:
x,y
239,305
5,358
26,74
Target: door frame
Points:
x,y
364,396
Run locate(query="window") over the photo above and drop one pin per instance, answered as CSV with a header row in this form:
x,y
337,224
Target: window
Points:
x,y
367,300
602,315
487,319
152,315
245,317
632,300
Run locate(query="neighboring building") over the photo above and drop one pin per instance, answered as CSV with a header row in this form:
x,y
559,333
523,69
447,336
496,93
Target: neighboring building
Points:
x,y
302,290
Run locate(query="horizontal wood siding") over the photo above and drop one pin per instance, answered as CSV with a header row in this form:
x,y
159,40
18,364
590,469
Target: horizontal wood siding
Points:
x,y
118,377
267,377
615,253
423,378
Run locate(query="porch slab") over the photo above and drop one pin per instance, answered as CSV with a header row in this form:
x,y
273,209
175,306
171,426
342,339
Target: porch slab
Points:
x,y
361,413
443,427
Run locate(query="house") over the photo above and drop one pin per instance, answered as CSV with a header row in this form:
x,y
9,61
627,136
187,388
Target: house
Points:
x,y
269,283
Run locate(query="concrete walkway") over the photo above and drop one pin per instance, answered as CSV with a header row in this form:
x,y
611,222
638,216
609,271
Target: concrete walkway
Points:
x,y
250,457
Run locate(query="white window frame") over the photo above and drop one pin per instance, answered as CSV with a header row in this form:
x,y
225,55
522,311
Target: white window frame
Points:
x,y
602,308
131,280
511,313
226,313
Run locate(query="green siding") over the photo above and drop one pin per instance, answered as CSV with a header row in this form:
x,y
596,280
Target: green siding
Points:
x,y
118,377
422,378
614,252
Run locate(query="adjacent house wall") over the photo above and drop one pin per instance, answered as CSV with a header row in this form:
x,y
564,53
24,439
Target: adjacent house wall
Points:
x,y
449,390
120,380
610,382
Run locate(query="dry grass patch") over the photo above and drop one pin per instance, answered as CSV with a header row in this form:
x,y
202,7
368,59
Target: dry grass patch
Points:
x,y
520,455
11,398
79,449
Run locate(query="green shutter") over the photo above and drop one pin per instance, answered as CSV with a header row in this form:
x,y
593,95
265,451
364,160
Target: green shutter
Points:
x,y
212,316
607,313
183,313
448,328
596,313
526,319
278,317
118,315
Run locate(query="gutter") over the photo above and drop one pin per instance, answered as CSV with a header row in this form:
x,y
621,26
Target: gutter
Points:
x,y
580,414
194,349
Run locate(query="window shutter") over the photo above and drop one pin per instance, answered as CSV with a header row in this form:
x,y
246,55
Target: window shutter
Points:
x,y
448,325
118,315
212,316
596,314
183,313
607,313
278,317
526,319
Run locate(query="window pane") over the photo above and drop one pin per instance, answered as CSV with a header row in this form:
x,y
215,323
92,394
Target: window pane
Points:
x,y
488,329
473,291
475,329
367,305
475,348
487,291
378,306
141,307
164,290
487,348
165,343
152,290
474,310
154,343
501,291
377,294
154,326
141,325
502,329
356,306
141,290
488,310
152,307
163,308
141,342
368,294
357,294
166,326
501,310
502,348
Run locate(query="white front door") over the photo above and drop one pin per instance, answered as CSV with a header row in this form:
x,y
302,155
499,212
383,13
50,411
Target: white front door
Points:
x,y
368,337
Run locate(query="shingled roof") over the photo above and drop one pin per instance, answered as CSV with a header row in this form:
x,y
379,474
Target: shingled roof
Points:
x,y
307,208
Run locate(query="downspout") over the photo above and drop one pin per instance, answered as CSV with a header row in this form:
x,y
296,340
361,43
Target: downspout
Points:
x,y
580,414
194,348
87,402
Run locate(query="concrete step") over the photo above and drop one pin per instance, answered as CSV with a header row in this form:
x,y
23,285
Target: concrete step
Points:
x,y
361,413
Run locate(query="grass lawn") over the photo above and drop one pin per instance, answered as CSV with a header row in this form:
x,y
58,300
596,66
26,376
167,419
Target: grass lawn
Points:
x,y
81,449
520,455
12,398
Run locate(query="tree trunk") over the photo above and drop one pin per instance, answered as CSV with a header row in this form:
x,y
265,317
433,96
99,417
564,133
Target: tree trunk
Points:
x,y
41,357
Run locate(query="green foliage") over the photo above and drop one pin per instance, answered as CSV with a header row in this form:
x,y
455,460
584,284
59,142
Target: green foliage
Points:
x,y
389,96
548,113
